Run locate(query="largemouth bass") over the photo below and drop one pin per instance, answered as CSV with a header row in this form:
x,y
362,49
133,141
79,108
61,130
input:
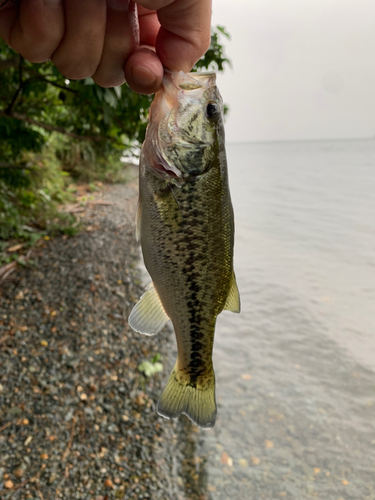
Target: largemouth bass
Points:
x,y
185,224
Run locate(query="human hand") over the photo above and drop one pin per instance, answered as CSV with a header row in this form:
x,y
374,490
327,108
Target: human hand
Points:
x,y
109,40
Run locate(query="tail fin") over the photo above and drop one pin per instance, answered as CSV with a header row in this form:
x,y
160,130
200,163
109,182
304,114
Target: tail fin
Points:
x,y
195,400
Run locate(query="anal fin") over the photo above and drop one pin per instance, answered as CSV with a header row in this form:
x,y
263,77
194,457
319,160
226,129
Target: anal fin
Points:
x,y
148,315
233,302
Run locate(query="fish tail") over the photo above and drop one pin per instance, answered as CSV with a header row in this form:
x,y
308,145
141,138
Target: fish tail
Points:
x,y
194,399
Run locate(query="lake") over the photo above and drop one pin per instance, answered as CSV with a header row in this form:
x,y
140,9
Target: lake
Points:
x,y
295,370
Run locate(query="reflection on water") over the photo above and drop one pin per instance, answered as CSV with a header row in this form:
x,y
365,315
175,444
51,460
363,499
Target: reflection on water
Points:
x,y
295,371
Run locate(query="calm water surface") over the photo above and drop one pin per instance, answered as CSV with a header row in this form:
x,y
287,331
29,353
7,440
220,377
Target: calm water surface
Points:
x,y
296,370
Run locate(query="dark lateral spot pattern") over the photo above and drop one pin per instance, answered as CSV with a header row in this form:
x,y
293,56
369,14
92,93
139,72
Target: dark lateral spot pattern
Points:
x,y
192,243
191,257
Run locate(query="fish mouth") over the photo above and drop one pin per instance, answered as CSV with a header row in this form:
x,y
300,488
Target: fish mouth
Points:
x,y
188,81
193,84
178,84
163,126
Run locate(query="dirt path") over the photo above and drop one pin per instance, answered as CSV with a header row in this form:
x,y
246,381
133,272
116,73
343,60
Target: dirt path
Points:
x,y
77,420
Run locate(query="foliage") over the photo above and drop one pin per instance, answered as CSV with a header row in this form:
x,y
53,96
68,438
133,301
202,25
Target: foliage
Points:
x,y
36,99
85,163
53,130
152,367
29,198
214,58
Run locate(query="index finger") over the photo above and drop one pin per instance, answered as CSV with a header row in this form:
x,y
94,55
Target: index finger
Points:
x,y
185,31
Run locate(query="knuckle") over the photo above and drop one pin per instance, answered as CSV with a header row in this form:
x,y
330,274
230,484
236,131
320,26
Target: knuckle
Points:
x,y
77,61
31,53
206,42
199,45
202,43
108,81
36,58
36,46
75,70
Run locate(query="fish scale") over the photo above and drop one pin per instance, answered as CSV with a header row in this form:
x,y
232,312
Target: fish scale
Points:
x,y
187,231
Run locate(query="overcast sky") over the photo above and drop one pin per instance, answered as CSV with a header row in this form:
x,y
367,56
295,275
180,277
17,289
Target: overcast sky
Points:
x,y
301,69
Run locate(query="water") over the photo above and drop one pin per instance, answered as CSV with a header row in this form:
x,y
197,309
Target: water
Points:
x,y
295,371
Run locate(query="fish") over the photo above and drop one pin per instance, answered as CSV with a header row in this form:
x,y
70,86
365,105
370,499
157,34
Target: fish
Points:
x,y
185,224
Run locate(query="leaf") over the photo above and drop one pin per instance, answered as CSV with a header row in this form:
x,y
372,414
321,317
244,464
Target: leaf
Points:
x,y
110,98
223,31
89,81
156,358
226,459
44,194
150,369
112,120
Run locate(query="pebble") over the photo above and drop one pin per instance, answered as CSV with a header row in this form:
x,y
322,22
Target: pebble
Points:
x,y
19,472
86,343
108,483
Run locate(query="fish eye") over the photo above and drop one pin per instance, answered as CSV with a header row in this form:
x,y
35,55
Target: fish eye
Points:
x,y
213,111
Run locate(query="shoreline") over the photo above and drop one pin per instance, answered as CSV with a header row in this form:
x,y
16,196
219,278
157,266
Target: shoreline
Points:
x,y
77,418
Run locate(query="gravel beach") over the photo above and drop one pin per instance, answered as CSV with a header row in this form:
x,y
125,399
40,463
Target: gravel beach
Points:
x,y
77,418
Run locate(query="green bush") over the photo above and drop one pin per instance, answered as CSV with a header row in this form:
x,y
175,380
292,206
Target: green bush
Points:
x,y
30,196
54,131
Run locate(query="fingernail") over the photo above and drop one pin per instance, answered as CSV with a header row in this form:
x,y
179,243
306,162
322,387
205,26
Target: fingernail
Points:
x,y
121,5
144,76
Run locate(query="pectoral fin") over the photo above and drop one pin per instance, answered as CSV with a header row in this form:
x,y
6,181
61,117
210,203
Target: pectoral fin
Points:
x,y
148,315
233,300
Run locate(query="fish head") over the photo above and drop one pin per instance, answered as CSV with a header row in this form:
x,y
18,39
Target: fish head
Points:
x,y
186,119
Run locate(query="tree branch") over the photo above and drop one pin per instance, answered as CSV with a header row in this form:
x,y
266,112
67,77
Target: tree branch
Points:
x,y
43,78
52,128
60,86
4,164
20,76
